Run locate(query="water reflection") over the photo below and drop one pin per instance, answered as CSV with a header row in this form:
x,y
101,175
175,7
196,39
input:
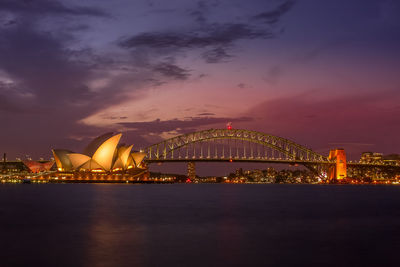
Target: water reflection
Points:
x,y
114,228
199,225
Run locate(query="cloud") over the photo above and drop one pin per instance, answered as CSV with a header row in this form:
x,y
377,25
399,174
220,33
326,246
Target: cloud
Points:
x,y
172,71
273,16
199,13
214,38
43,87
178,125
216,55
241,85
42,7
214,35
23,49
206,114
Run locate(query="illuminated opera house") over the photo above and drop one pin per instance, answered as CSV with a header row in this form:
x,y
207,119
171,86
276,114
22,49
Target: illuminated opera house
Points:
x,y
103,155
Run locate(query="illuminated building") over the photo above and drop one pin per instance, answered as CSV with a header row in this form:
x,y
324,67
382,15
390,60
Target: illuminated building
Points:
x,y
370,157
13,167
26,166
103,154
392,159
36,166
339,172
379,158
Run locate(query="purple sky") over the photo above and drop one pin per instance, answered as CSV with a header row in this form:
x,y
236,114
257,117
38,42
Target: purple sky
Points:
x,y
322,73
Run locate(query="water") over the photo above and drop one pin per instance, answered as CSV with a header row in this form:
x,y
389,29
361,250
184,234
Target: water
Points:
x,y
199,225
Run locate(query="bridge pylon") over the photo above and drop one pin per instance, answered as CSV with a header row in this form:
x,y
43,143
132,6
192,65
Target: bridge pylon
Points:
x,y
339,171
191,170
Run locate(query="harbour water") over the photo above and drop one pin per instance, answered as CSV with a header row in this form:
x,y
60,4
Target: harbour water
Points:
x,y
199,225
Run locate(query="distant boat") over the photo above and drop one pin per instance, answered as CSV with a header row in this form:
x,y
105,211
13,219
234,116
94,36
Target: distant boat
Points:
x,y
26,181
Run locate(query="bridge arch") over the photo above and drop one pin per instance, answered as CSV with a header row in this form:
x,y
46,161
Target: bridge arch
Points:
x,y
225,144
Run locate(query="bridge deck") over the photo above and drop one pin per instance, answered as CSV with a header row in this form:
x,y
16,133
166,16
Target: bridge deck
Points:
x,y
256,160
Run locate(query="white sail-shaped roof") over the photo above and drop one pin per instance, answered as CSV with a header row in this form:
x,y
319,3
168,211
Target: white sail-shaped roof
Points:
x,y
123,157
123,154
62,160
78,160
105,153
138,157
118,164
96,143
91,165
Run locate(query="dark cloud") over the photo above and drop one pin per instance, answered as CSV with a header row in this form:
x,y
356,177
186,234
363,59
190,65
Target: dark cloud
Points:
x,y
9,22
42,7
206,114
47,92
273,16
214,35
199,16
241,85
199,13
172,71
115,118
216,55
40,63
213,38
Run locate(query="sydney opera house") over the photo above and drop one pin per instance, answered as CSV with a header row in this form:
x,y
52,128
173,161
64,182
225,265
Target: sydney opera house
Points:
x,y
103,155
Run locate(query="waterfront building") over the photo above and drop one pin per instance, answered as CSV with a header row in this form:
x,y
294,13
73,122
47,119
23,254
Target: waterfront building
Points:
x,y
103,155
25,166
371,158
379,158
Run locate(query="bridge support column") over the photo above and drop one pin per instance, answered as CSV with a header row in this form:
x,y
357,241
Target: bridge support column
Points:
x,y
191,170
339,172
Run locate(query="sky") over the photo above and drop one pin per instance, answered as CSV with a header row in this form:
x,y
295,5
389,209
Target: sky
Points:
x,y
324,74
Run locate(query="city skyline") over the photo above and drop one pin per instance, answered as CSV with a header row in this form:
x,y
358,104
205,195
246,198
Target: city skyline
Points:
x,y
321,74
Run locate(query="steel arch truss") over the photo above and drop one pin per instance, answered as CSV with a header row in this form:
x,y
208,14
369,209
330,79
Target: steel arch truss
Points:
x,y
224,143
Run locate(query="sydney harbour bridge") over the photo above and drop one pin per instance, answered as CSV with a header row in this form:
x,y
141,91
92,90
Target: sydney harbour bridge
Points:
x,y
238,145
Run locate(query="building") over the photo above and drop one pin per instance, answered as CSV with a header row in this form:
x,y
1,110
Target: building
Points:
x,y
25,166
371,158
39,166
13,167
379,158
103,155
